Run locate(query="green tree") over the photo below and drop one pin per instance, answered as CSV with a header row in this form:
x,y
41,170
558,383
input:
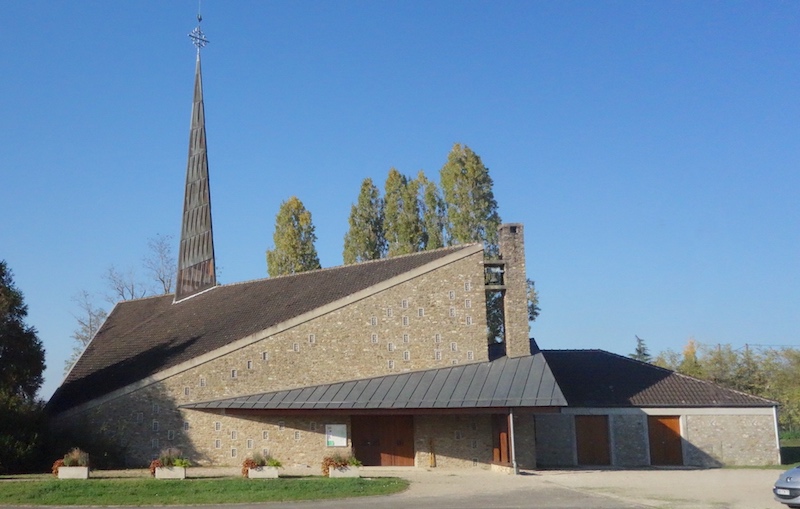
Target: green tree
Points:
x,y
365,239
432,213
294,239
470,207
641,353
401,222
21,368
533,300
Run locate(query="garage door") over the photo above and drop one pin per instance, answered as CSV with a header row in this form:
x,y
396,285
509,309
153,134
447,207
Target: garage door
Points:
x,y
591,438
665,440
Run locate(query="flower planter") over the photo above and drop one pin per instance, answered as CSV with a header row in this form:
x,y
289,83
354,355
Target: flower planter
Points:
x,y
73,472
348,471
171,473
262,473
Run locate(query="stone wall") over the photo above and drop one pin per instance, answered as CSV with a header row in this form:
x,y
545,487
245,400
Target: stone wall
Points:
x,y
457,441
555,440
629,440
435,319
714,440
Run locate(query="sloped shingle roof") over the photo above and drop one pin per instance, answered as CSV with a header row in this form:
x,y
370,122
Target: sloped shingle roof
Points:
x,y
516,382
596,378
142,337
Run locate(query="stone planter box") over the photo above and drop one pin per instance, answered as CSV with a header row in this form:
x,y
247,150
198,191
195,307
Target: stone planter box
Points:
x,y
73,472
344,472
262,473
171,473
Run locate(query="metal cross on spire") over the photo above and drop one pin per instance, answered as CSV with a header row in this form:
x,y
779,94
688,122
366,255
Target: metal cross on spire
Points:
x,y
197,36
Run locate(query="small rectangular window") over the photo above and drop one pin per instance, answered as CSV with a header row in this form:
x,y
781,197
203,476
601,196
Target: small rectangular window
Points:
x,y
405,320
249,364
313,426
265,452
391,364
406,338
155,425
156,408
234,434
437,338
234,373
217,444
421,312
469,320
389,312
233,452
454,362
297,435
390,347
312,339
249,443
467,303
185,391
296,347
452,312
437,355
140,417
170,434
265,435
453,346
281,425
452,295
470,355
473,444
217,426
374,321
374,338
185,425
202,381
467,286
154,443
404,304
406,355
264,356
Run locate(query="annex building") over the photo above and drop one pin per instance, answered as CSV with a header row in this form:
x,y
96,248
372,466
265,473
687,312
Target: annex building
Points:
x,y
387,358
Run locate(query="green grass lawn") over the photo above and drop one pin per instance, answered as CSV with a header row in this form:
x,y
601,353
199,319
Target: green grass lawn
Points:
x,y
189,491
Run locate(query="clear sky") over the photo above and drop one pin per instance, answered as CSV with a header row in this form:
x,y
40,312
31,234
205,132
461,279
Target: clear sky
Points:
x,y
651,149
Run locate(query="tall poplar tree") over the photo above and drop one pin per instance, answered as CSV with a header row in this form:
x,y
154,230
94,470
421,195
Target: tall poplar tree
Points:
x,y
402,223
432,213
471,209
294,239
365,239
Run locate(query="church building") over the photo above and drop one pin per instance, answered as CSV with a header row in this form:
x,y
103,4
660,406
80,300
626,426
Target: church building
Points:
x,y
387,359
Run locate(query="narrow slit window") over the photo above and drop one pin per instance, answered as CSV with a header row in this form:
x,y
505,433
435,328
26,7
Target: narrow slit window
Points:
x,y
264,356
390,347
155,425
234,434
470,355
202,381
185,425
170,434
452,295
217,444
265,435
467,303
249,364
312,339
391,364
389,312
374,321
217,426
406,338
437,338
405,320
469,320
406,355
233,452
452,312
296,347
297,435
281,425
185,391
154,443
467,286
421,312
404,304
437,355
234,373
249,443
453,346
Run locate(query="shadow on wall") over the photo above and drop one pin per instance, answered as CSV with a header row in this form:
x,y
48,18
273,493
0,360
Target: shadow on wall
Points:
x,y
128,431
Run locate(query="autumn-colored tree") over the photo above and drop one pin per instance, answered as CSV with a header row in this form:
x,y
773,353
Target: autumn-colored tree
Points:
x,y
365,239
294,239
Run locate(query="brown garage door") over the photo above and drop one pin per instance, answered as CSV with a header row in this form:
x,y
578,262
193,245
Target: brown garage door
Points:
x,y
591,437
384,440
665,440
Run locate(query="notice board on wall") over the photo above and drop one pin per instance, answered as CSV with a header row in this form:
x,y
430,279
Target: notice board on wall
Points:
x,y
336,435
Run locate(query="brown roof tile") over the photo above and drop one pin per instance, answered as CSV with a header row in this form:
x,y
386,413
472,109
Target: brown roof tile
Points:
x,y
142,337
596,378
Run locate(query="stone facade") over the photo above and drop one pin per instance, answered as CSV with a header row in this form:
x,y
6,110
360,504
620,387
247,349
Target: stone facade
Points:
x,y
710,437
434,319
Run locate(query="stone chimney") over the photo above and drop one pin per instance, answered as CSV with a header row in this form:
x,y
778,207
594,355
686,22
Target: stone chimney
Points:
x,y
515,297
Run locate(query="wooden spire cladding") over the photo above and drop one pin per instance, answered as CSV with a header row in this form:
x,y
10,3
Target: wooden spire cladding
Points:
x,y
196,266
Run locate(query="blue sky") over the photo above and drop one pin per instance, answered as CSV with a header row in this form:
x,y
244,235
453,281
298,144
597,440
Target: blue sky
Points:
x,y
651,149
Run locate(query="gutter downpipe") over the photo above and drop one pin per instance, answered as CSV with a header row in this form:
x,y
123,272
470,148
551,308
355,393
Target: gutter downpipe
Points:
x,y
777,432
513,439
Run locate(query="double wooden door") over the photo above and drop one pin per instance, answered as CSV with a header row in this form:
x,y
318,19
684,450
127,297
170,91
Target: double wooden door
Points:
x,y
384,440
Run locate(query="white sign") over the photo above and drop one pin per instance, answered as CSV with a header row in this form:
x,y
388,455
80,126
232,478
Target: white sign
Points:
x,y
336,435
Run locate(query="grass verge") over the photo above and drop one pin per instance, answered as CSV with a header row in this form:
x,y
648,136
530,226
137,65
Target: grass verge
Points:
x,y
146,492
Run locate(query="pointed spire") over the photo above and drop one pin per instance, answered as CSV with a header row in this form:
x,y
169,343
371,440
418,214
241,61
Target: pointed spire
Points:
x,y
196,265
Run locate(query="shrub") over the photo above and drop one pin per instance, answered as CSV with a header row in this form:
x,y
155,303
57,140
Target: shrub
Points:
x,y
76,458
259,460
154,465
338,461
58,463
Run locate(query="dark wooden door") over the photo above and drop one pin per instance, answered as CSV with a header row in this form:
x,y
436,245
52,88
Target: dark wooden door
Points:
x,y
665,440
591,438
384,440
